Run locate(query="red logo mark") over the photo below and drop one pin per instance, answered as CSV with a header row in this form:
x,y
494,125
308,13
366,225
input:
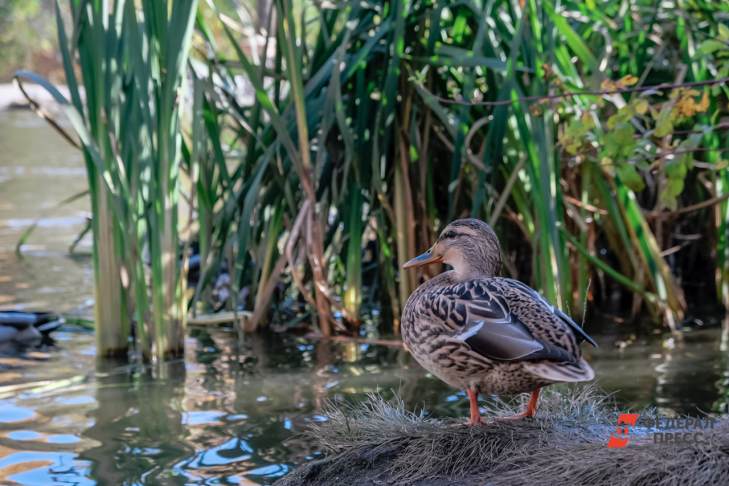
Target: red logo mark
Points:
x,y
621,436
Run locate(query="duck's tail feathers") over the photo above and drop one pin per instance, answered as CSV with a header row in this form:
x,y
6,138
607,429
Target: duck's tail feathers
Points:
x,y
564,372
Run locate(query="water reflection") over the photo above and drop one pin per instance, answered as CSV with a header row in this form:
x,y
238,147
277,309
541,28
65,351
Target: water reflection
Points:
x,y
674,375
32,184
137,423
232,416
219,414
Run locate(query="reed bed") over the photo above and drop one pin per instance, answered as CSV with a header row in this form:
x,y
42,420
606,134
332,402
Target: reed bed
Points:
x,y
326,144
124,63
589,136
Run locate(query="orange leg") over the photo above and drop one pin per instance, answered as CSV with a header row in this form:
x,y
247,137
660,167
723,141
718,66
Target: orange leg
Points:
x,y
531,409
475,414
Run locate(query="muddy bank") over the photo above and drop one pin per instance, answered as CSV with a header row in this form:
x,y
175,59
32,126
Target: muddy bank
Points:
x,y
379,442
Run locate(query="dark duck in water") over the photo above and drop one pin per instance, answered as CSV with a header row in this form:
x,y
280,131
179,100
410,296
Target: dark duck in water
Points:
x,y
27,327
488,334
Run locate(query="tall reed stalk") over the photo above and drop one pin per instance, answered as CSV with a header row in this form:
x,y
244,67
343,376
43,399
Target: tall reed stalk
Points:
x,y
125,63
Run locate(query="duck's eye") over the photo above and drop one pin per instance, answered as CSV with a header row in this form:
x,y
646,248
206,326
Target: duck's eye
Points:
x,y
449,235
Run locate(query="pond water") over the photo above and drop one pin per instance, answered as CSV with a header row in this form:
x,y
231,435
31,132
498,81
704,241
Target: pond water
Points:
x,y
227,413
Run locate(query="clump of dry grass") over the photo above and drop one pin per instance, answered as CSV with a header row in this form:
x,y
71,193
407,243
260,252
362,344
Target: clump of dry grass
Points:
x,y
379,442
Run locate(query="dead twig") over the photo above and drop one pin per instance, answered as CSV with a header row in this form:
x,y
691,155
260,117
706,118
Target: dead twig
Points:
x,y
693,207
38,110
289,253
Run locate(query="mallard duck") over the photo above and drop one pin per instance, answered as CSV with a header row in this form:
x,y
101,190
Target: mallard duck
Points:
x,y
488,334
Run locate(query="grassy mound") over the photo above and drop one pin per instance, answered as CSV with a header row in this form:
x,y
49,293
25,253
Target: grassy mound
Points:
x,y
379,442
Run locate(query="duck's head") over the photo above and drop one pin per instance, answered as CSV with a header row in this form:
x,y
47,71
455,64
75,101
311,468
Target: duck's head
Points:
x,y
469,245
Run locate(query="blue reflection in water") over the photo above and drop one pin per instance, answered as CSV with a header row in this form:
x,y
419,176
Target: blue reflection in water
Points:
x,y
272,471
62,439
230,452
24,435
10,413
40,467
201,417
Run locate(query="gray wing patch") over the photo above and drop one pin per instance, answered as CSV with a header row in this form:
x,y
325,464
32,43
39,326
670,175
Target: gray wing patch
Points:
x,y
500,340
509,341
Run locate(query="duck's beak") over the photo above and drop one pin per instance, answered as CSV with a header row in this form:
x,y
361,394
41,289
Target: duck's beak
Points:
x,y
424,259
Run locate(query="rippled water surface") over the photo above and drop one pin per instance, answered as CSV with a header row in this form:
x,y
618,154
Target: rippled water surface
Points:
x,y
227,413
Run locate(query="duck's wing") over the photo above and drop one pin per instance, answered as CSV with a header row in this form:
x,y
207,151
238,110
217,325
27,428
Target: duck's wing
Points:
x,y
576,329
479,314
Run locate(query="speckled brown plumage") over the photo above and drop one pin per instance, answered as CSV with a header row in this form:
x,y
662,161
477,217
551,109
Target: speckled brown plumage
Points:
x,y
484,333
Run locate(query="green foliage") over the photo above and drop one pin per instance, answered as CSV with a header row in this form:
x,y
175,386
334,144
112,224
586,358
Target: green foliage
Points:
x,y
717,50
328,144
19,49
131,59
385,99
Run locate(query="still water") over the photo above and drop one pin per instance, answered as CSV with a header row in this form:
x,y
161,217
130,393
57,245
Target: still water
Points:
x,y
227,413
